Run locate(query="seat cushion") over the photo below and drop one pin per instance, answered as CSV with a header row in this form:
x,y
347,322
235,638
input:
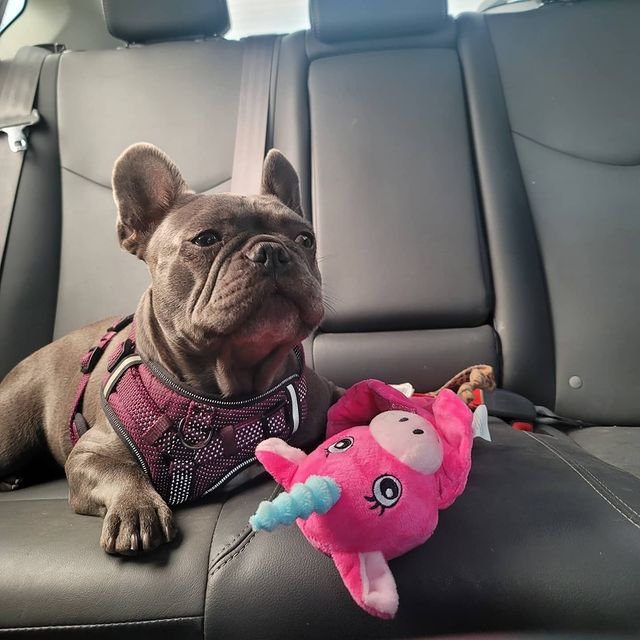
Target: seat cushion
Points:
x,y
53,490
56,579
544,537
618,446
518,551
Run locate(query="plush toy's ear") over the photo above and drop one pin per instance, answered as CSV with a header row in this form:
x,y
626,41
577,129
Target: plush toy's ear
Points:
x,y
280,179
280,459
364,401
370,582
146,184
453,423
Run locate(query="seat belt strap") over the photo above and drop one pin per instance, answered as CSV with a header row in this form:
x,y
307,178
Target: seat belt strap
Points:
x,y
17,114
253,114
17,95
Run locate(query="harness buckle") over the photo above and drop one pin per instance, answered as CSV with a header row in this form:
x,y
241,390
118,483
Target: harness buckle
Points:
x,y
125,349
80,424
121,324
91,359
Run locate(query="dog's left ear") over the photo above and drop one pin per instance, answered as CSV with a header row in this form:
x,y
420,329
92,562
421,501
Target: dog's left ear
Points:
x,y
146,185
280,179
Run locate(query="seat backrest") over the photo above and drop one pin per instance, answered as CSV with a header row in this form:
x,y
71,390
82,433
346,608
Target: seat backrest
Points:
x,y
392,190
29,275
572,112
175,88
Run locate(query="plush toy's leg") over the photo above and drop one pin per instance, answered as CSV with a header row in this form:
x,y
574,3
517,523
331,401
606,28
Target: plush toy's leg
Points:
x,y
370,582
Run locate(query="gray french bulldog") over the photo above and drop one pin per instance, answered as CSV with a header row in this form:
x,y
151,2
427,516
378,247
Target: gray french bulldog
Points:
x,y
234,287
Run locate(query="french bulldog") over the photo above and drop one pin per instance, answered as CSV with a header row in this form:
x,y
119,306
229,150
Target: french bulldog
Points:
x,y
234,287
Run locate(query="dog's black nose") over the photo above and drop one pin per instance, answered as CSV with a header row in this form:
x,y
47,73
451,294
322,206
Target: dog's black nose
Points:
x,y
270,254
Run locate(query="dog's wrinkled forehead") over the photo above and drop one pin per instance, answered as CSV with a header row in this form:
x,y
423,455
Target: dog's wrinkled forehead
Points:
x,y
231,214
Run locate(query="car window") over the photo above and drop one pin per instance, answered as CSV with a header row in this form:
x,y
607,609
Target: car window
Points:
x,y
79,24
253,17
12,10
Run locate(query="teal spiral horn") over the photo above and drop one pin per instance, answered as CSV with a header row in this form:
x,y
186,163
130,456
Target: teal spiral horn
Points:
x,y
317,494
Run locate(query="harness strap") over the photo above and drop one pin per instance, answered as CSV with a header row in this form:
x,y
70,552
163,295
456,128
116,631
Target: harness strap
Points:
x,y
77,423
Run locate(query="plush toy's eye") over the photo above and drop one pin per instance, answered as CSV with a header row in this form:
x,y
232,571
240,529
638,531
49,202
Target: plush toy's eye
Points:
x,y
206,238
341,445
387,490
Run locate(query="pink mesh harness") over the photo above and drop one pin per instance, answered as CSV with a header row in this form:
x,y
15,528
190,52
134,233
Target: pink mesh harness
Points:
x,y
189,444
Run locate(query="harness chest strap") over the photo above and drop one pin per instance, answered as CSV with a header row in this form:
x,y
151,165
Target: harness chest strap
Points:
x,y
77,423
189,444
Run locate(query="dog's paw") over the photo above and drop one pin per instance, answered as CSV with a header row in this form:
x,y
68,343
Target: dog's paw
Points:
x,y
129,529
11,483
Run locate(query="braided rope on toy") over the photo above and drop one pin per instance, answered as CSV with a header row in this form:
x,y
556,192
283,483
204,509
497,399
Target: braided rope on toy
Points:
x,y
317,494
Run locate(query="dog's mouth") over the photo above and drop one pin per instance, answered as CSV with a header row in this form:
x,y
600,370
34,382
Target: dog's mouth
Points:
x,y
274,310
276,320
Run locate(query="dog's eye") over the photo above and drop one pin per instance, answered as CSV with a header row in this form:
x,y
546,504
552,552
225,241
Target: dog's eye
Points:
x,y
206,238
306,239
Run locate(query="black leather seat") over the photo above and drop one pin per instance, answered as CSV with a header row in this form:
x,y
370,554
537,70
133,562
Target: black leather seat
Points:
x,y
554,113
63,269
432,260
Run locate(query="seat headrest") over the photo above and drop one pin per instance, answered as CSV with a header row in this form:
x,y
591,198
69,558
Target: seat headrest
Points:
x,y
155,20
338,20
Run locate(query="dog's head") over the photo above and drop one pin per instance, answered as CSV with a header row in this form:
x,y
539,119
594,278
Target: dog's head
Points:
x,y
224,267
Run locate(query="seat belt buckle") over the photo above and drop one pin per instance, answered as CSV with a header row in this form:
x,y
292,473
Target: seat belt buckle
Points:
x,y
506,405
16,134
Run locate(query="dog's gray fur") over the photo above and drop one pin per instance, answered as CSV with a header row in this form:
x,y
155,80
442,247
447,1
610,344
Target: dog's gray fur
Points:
x,y
219,318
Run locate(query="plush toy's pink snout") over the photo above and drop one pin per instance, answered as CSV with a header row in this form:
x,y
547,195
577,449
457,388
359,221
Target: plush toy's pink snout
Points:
x,y
410,438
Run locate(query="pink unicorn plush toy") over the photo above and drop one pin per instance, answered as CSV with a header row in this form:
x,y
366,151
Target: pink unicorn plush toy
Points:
x,y
373,489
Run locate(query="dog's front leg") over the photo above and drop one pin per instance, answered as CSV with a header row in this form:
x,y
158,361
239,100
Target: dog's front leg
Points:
x,y
105,480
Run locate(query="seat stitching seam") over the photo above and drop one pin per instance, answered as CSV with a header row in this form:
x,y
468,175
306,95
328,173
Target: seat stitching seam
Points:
x,y
99,625
206,583
243,533
577,467
106,186
631,165
87,178
236,553
606,488
586,480
599,481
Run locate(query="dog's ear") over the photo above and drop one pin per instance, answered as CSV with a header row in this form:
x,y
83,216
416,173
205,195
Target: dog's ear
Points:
x,y
280,179
146,184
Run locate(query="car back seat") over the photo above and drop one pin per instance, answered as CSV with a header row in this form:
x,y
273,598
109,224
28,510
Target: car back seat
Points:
x,y
567,133
382,144
402,253
540,517
65,269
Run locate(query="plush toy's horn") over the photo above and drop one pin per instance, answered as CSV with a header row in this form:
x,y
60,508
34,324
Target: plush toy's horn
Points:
x,y
317,494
